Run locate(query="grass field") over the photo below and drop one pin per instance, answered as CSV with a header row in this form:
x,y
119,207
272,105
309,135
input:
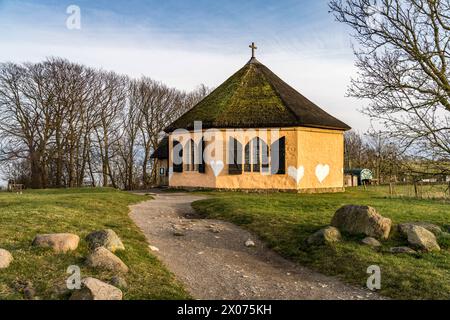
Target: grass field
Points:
x,y
284,221
78,211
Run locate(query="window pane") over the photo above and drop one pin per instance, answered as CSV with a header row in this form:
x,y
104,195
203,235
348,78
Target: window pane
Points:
x,y
256,155
247,165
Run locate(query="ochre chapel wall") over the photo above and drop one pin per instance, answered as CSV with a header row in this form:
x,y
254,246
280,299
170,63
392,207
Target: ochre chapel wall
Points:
x,y
305,148
321,147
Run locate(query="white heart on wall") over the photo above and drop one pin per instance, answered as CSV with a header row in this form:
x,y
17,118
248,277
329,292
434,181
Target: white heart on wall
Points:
x,y
322,172
217,166
296,173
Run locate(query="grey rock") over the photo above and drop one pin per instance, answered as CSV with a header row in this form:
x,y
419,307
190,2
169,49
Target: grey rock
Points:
x,y
94,289
60,290
214,229
369,241
105,238
118,281
59,242
397,250
29,293
404,227
362,220
5,258
421,238
104,259
249,243
326,235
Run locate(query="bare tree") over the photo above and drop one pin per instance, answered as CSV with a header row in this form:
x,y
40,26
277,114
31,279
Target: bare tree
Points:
x,y
403,51
62,123
27,117
111,101
354,150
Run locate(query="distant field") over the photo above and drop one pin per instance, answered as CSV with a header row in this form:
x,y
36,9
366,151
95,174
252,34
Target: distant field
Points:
x,y
284,221
78,211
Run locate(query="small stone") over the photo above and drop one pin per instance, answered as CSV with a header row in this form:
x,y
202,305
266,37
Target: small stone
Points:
x,y
59,242
94,289
178,233
60,290
105,238
105,259
5,258
372,242
29,293
397,250
249,243
119,282
215,230
326,235
153,248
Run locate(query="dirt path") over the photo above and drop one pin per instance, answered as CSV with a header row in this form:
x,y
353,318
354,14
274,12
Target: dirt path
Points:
x,y
211,259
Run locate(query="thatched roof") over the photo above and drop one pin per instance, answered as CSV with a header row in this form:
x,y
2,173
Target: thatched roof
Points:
x,y
162,152
254,97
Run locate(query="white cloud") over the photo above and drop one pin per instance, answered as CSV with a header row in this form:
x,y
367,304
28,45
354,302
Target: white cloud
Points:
x,y
317,65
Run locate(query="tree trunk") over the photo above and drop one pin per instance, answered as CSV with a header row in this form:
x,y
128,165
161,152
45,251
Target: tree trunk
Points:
x,y
36,170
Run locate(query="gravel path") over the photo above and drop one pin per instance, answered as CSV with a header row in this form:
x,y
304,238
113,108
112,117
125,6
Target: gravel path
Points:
x,y
211,259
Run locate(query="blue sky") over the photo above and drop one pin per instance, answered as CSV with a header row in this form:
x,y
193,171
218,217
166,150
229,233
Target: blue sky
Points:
x,y
187,42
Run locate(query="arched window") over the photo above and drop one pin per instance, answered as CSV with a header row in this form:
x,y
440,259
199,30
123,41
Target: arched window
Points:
x,y
265,154
256,154
177,156
201,162
278,156
247,160
234,156
255,151
190,156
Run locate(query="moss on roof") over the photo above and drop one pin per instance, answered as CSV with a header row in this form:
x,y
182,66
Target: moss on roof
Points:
x,y
254,97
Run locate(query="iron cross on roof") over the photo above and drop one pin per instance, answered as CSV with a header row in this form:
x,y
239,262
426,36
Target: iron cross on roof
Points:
x,y
253,47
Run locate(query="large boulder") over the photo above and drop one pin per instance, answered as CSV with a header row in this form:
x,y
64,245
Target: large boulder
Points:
x,y
362,220
324,236
94,289
59,242
105,259
420,238
105,238
404,227
5,258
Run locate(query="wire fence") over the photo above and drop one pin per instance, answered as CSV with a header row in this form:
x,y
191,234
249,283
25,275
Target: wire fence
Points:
x,y
419,190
